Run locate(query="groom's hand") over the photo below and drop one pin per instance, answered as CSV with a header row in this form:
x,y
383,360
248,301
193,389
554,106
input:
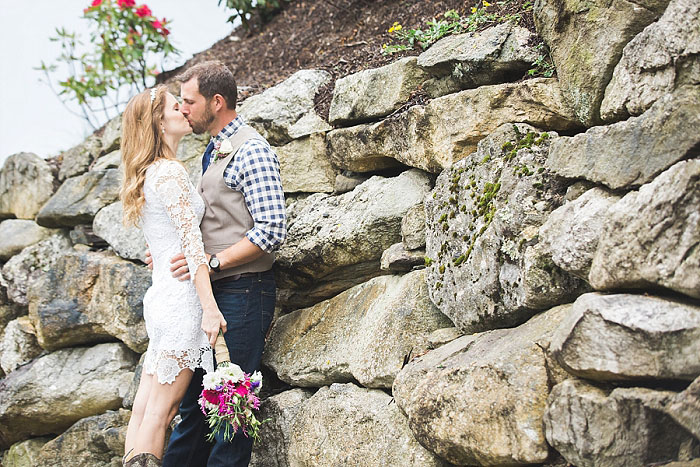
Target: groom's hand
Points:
x,y
178,266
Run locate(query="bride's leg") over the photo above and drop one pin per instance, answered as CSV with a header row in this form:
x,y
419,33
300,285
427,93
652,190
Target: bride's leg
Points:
x,y
137,412
161,408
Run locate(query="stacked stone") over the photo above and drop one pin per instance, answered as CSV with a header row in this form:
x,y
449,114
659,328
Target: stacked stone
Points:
x,y
504,275
71,316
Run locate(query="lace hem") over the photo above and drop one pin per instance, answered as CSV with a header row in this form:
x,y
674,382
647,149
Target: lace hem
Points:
x,y
167,364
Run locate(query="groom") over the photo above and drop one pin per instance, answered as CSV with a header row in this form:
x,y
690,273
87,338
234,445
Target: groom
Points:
x,y
244,223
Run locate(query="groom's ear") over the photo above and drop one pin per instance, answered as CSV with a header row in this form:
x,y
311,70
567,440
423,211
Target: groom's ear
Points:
x,y
219,102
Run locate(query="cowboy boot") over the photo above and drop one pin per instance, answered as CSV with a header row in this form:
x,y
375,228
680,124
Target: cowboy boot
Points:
x,y
144,459
125,456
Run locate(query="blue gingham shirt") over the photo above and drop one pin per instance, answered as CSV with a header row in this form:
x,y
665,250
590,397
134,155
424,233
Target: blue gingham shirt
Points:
x,y
255,171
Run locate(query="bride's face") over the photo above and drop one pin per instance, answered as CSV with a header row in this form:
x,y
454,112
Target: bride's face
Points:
x,y
174,123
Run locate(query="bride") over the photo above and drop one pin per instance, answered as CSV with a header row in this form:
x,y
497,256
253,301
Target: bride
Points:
x,y
182,318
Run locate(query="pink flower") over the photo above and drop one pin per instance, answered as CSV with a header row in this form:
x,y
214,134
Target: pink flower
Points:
x,y
242,390
157,24
126,3
142,11
95,3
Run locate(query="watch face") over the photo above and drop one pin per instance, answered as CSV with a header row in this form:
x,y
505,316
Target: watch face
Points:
x,y
214,262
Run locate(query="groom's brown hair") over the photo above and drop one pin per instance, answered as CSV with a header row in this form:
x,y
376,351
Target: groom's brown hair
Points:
x,y
213,77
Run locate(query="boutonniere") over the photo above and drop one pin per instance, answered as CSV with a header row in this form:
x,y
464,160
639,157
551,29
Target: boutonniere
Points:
x,y
221,149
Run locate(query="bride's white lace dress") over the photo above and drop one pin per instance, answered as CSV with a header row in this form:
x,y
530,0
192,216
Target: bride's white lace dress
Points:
x,y
171,308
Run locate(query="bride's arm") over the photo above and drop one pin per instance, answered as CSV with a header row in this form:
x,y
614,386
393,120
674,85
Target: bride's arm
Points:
x,y
173,188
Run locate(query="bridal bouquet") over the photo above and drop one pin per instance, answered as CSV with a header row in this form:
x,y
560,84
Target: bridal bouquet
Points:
x,y
230,397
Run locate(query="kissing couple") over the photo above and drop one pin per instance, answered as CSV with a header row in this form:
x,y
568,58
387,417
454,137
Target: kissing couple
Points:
x,y
211,249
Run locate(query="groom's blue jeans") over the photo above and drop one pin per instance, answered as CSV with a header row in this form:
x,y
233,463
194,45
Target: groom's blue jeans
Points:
x,y
247,304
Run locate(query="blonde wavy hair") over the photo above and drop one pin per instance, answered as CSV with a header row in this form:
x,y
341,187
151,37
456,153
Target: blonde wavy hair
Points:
x,y
142,145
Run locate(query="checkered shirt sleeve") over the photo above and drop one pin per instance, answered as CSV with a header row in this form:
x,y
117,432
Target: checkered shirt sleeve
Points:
x,y
255,171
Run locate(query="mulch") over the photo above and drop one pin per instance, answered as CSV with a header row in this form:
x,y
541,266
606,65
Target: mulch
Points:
x,y
339,36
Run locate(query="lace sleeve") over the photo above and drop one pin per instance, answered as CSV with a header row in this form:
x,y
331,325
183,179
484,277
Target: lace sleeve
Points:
x,y
174,190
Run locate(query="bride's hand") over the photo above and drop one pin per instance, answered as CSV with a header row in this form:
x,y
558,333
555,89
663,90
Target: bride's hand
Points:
x,y
212,320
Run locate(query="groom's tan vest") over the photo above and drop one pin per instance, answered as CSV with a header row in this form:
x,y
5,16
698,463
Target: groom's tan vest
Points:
x,y
227,219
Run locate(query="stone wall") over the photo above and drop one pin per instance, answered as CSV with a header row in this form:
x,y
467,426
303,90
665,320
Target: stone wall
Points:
x,y
508,274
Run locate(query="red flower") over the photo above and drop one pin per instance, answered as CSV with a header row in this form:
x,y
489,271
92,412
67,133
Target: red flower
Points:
x,y
126,3
211,396
165,31
241,390
157,24
142,11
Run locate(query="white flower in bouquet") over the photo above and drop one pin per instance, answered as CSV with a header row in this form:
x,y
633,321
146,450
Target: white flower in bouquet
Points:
x,y
211,380
232,372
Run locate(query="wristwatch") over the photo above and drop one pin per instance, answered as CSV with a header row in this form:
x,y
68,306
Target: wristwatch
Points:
x,y
214,263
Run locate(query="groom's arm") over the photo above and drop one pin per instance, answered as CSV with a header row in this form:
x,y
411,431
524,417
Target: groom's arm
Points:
x,y
237,254
255,172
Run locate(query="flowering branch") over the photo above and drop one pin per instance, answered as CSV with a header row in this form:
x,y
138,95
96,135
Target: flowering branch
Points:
x,y
125,38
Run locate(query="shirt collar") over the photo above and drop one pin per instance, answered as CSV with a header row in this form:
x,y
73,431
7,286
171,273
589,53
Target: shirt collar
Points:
x,y
229,130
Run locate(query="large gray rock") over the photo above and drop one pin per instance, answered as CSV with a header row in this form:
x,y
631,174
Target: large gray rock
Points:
x,y
127,242
629,337
305,165
53,392
435,136
685,408
571,232
79,198
88,298
96,441
397,259
375,93
280,411
631,153
336,242
286,111
348,181
24,453
17,234
18,344
413,228
497,54
586,42
347,425
650,236
22,270
8,309
77,160
657,61
487,268
479,400
111,136
113,160
626,427
26,183
362,334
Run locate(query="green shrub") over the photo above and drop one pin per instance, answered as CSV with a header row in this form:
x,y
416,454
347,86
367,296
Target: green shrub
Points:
x,y
245,9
